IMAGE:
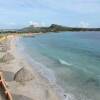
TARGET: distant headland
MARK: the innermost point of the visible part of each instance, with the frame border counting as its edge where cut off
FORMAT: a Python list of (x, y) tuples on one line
[(52, 28)]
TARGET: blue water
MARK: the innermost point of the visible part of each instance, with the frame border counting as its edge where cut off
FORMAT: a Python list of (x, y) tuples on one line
[(75, 59)]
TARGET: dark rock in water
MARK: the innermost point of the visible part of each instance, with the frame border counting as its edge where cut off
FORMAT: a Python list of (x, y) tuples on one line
[(7, 57), (23, 75), (93, 81)]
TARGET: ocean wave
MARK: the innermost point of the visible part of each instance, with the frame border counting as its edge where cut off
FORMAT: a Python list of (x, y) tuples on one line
[(45, 72), (39, 67), (63, 62)]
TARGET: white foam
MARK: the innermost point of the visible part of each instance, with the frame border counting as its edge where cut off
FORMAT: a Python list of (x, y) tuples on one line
[(63, 62), (69, 97), (44, 71)]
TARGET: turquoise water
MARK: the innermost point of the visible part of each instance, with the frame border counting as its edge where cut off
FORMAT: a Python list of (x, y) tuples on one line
[(75, 59)]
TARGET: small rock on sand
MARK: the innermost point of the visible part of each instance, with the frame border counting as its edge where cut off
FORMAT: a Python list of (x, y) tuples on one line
[(20, 97), (23, 75), (7, 57)]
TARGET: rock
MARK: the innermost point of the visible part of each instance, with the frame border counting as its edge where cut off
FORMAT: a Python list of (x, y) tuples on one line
[(3, 49), (93, 81), (20, 97), (23, 75), (9, 76), (7, 57)]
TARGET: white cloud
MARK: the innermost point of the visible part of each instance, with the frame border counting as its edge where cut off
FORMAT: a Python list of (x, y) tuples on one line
[(36, 24), (84, 24)]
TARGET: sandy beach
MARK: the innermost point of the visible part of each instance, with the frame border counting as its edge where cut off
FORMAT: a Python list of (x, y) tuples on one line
[(23, 79)]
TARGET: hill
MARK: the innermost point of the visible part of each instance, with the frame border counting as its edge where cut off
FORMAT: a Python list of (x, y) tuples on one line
[(55, 28), (52, 28)]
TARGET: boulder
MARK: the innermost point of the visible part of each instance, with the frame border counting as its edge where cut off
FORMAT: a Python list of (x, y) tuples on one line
[(7, 57), (23, 75)]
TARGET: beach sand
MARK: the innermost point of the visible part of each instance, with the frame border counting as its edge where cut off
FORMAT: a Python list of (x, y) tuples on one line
[(37, 88)]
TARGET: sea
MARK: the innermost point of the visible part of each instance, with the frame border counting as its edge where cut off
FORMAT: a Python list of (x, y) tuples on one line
[(72, 59)]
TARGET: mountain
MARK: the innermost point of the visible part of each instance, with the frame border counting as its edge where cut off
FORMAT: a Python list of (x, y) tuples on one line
[(33, 29), (55, 28), (52, 28)]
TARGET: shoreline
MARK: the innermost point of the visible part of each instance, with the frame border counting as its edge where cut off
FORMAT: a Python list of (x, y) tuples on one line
[(40, 70), (39, 88)]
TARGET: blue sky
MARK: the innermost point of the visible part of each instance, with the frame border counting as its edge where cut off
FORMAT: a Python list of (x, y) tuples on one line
[(20, 13)]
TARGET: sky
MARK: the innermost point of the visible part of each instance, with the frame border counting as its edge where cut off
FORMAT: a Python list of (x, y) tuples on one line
[(76, 13)]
